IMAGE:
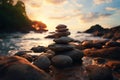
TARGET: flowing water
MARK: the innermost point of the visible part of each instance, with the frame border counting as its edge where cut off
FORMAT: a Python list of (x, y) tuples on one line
[(20, 41)]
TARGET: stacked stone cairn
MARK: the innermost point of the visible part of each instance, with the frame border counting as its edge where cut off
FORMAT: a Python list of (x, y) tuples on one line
[(65, 54)]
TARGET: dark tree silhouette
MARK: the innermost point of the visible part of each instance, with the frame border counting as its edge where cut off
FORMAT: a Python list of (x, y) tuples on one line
[(13, 17)]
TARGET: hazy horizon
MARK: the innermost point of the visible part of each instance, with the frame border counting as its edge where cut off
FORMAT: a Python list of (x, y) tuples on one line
[(76, 14)]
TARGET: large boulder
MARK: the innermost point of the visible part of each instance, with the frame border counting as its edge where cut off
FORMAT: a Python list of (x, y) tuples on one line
[(18, 68), (111, 53)]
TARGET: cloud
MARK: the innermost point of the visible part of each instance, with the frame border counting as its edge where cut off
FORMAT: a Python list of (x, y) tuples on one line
[(97, 2), (56, 1), (90, 17), (110, 9)]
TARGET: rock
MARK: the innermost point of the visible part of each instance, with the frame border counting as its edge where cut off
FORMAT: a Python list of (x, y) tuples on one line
[(98, 61), (20, 53), (50, 36), (61, 26), (38, 49), (62, 30), (18, 68), (63, 40), (60, 34), (75, 54), (87, 44), (28, 57), (77, 45), (49, 54), (95, 28), (60, 47), (42, 62), (93, 44), (61, 61), (113, 33), (99, 73), (114, 65), (112, 44), (111, 53)]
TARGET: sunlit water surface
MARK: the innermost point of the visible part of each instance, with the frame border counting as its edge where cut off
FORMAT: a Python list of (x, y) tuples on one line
[(20, 41)]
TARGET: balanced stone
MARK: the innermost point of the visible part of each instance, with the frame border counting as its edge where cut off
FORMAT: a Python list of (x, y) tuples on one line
[(61, 26), (62, 30), (60, 47), (61, 61), (42, 62), (75, 54), (60, 34), (63, 40)]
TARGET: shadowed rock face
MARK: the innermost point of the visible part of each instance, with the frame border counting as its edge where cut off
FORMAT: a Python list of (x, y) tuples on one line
[(17, 68)]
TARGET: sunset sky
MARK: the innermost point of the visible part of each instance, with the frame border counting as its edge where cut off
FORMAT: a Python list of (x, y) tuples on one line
[(76, 14)]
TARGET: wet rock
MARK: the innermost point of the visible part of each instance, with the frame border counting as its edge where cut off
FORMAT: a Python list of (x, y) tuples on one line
[(112, 44), (111, 53), (38, 49), (77, 45), (18, 68), (63, 40), (60, 47), (61, 61), (114, 65), (98, 61), (42, 62), (99, 73), (87, 44)]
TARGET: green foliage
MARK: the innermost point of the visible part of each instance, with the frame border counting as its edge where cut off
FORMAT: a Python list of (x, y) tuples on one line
[(13, 18)]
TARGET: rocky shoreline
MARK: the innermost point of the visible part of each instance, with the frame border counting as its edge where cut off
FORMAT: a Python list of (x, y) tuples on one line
[(65, 59)]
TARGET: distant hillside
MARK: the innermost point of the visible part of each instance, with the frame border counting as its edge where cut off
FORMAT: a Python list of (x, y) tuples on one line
[(13, 17)]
